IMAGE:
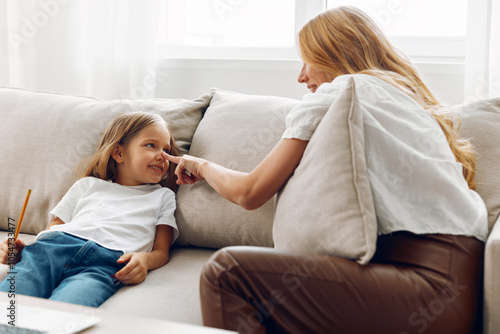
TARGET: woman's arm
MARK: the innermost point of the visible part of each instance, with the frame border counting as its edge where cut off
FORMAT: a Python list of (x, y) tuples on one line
[(249, 190), (138, 264)]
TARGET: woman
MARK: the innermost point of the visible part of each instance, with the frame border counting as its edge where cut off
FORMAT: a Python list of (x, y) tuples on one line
[(423, 277)]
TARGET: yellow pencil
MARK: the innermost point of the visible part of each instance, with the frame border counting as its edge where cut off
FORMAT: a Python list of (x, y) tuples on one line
[(18, 227)]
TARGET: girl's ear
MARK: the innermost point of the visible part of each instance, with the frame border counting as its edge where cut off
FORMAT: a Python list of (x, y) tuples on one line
[(117, 154)]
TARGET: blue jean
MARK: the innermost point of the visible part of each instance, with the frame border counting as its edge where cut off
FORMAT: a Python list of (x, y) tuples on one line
[(65, 268)]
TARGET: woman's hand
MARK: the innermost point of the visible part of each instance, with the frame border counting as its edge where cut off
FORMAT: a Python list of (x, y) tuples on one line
[(136, 269), (10, 252), (188, 168)]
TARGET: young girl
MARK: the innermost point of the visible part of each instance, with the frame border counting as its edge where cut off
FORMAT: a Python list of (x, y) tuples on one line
[(112, 226)]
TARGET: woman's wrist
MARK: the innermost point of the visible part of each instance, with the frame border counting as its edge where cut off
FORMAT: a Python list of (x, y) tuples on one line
[(203, 168)]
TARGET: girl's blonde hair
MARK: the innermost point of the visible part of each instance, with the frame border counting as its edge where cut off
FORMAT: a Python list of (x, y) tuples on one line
[(345, 40), (119, 132)]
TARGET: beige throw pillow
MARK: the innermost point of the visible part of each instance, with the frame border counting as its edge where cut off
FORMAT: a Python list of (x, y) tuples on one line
[(237, 131), (326, 206), (481, 124), (45, 136)]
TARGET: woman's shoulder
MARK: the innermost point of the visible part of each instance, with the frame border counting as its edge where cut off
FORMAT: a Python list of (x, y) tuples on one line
[(345, 81), (360, 79)]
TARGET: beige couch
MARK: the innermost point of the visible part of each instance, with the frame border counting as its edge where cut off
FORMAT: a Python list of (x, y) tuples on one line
[(44, 137)]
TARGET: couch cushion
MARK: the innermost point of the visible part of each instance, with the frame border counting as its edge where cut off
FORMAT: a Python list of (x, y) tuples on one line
[(45, 136), (237, 131), (481, 124), (327, 206), (168, 293)]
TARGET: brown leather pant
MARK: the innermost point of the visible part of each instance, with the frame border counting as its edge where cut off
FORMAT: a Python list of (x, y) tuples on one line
[(414, 284)]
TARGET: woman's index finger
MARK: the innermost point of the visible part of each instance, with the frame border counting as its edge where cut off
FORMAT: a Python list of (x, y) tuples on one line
[(171, 158)]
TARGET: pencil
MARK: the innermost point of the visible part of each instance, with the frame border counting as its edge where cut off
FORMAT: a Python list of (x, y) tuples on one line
[(18, 227)]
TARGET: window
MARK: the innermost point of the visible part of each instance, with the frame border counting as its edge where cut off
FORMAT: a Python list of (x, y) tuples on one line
[(412, 18), (233, 28), (230, 23), (426, 30)]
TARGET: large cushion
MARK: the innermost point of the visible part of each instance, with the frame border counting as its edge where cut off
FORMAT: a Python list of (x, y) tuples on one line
[(169, 293), (481, 124), (327, 206), (45, 136), (237, 131)]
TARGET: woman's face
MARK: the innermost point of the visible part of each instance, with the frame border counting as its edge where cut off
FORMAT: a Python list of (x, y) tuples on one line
[(313, 77)]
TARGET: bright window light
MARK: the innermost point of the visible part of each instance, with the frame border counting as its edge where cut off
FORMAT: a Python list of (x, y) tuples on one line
[(414, 18), (426, 30), (229, 23)]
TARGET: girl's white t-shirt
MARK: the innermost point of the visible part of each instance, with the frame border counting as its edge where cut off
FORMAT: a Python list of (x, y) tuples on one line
[(115, 216), (416, 182)]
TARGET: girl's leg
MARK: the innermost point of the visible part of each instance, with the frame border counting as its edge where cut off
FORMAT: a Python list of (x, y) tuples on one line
[(39, 269), (87, 278), (414, 284), (91, 288)]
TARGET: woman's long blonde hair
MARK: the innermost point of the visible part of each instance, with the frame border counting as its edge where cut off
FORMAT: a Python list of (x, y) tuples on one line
[(345, 40), (119, 132)]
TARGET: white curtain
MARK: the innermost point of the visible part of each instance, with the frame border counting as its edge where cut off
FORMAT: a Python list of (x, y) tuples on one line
[(102, 48), (482, 68)]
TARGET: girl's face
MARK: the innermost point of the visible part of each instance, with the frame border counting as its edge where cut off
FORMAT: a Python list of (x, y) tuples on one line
[(313, 77), (140, 160)]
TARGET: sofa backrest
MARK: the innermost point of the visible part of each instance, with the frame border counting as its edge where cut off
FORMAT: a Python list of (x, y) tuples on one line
[(45, 136), (480, 122), (237, 131)]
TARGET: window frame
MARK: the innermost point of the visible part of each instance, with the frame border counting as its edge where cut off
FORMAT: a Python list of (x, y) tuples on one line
[(419, 49), (304, 10), (432, 49)]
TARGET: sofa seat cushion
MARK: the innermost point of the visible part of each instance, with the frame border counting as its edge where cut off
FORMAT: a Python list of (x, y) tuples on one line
[(168, 293), (46, 136)]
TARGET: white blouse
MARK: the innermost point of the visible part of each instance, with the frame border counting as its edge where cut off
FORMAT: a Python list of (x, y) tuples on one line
[(417, 184)]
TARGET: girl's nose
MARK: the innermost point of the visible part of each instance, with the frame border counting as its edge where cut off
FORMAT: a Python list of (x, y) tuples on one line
[(302, 75)]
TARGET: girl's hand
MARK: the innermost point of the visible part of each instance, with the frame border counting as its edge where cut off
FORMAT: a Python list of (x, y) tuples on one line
[(188, 169), (136, 269), (10, 252)]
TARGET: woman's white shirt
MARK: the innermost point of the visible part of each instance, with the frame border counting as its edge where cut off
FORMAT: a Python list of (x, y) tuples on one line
[(416, 182)]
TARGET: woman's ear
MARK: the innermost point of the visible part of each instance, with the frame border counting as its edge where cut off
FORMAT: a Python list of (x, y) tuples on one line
[(117, 154)]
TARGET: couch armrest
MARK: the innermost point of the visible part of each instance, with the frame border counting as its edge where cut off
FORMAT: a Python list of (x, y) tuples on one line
[(492, 281)]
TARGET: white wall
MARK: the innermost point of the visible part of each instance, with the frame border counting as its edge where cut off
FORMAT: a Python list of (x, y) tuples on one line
[(190, 78)]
